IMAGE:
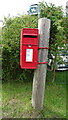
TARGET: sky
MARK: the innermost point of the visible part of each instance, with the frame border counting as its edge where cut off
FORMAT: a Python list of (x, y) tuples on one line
[(16, 7)]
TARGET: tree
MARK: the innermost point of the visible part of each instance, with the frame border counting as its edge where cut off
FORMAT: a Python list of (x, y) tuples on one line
[(59, 42), (57, 32)]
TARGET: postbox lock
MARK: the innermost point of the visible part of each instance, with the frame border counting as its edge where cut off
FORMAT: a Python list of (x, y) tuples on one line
[(29, 45)]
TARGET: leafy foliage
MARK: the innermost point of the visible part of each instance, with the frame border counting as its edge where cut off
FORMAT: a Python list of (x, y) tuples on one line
[(55, 14), (11, 46)]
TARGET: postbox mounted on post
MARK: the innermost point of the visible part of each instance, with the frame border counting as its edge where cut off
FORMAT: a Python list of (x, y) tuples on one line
[(29, 48)]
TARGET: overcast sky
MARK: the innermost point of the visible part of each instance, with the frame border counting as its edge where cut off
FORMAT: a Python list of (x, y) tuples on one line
[(15, 7)]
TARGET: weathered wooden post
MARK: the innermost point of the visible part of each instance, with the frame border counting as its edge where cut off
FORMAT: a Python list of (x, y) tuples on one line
[(40, 72)]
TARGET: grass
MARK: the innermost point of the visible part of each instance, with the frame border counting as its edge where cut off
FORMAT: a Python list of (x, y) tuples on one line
[(16, 99), (55, 101)]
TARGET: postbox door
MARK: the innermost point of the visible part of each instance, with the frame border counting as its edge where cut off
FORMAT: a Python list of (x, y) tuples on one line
[(29, 57)]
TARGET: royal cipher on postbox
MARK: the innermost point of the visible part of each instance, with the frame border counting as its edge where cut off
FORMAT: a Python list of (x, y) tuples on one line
[(29, 48)]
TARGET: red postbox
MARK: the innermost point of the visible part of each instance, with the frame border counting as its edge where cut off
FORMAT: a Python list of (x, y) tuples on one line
[(29, 48)]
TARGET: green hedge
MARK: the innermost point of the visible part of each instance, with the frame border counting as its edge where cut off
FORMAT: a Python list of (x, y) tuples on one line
[(11, 32)]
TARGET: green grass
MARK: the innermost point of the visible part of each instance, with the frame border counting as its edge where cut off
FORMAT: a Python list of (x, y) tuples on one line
[(55, 101), (60, 77), (16, 99)]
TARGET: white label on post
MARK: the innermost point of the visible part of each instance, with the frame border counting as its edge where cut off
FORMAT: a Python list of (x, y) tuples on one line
[(29, 55)]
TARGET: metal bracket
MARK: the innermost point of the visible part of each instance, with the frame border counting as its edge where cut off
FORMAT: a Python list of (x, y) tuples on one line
[(43, 47), (42, 62)]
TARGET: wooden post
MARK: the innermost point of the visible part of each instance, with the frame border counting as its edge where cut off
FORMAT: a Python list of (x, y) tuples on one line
[(40, 72)]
